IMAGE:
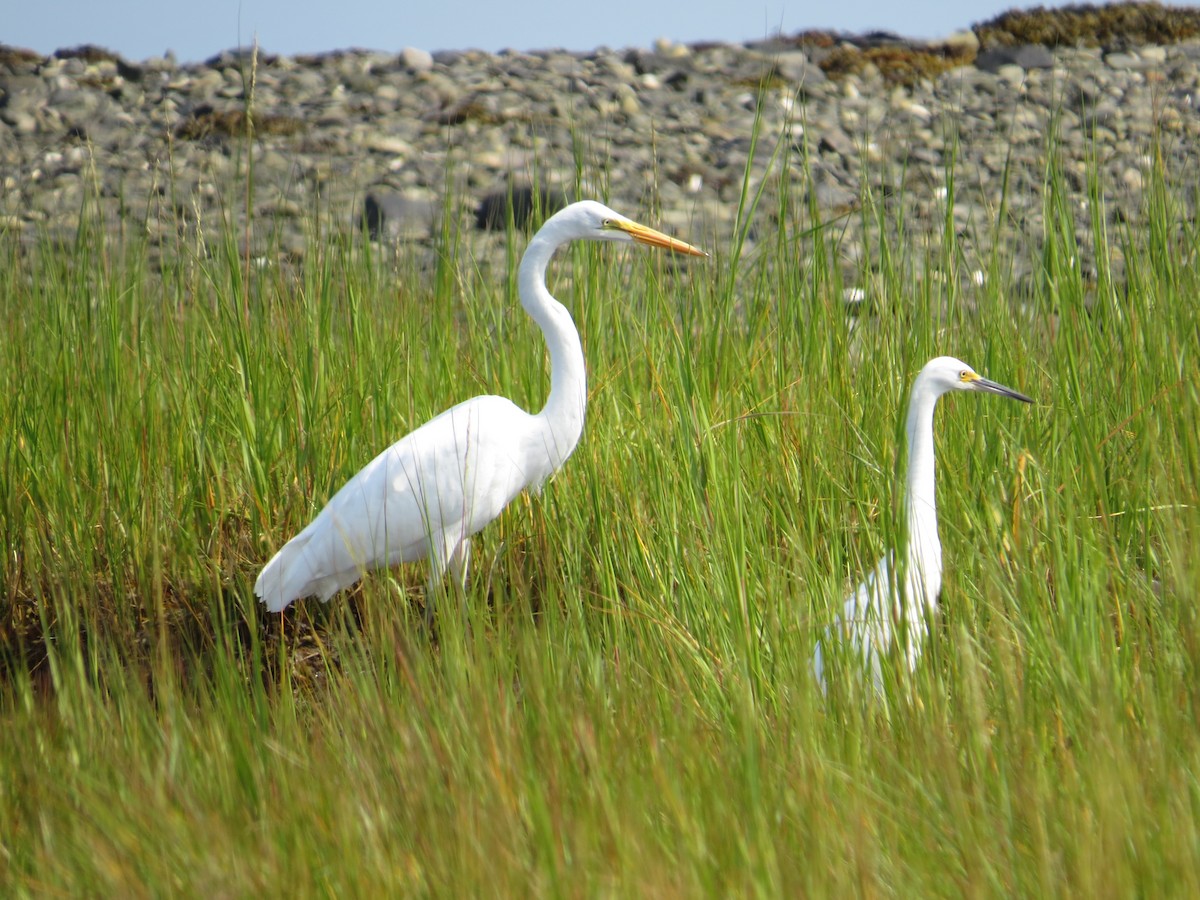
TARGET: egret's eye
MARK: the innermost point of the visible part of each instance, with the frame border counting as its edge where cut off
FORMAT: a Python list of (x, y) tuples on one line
[(606, 223), (964, 375)]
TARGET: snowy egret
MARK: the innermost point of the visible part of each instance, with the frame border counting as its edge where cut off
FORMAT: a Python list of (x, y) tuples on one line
[(879, 607), (429, 492)]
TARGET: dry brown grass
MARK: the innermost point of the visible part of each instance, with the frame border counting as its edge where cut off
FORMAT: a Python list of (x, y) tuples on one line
[(897, 63), (208, 122), (1089, 25)]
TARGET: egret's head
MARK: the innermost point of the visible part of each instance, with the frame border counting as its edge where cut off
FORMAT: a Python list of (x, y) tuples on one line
[(946, 374), (589, 220)]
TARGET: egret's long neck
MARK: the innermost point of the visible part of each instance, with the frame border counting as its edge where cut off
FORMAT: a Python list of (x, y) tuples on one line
[(924, 551), (564, 410)]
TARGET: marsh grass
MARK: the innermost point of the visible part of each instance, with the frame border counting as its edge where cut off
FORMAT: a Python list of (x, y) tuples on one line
[(628, 708)]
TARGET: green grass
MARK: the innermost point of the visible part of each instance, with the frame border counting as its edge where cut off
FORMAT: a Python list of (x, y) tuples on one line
[(629, 708)]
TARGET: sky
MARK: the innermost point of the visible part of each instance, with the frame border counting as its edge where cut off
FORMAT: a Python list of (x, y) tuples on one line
[(198, 29)]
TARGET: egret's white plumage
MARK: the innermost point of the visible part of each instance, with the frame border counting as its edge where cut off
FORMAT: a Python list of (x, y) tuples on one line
[(882, 610), (430, 491)]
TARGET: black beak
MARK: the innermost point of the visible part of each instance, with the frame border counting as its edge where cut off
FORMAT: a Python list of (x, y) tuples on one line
[(985, 384)]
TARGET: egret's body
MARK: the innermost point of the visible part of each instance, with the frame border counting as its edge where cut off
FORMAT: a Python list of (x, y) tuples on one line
[(886, 609), (430, 491)]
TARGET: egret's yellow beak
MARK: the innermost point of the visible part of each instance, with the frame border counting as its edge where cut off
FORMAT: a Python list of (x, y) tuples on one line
[(652, 238)]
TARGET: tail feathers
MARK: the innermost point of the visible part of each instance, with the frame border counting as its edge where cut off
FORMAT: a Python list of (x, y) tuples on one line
[(291, 575)]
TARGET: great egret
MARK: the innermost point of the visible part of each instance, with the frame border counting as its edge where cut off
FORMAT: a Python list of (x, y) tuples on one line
[(429, 492), (880, 607)]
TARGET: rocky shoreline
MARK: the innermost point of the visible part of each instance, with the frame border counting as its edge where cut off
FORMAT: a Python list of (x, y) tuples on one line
[(664, 133)]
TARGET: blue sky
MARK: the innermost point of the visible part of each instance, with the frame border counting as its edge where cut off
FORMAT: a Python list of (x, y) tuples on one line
[(194, 30)]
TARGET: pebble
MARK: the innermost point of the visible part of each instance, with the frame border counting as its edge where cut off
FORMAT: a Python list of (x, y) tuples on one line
[(1011, 72), (1123, 61), (416, 60), (1153, 55)]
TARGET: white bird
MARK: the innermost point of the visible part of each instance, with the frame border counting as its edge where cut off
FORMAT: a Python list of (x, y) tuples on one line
[(880, 607), (429, 492)]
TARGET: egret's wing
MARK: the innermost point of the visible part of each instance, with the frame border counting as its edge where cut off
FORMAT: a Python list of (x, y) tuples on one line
[(433, 488), (863, 632), (374, 516)]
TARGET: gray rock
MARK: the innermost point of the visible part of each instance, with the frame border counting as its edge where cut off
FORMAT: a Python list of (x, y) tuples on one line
[(1123, 61), (396, 139), (416, 60), (833, 138), (21, 121), (832, 197), (1027, 56), (1011, 73), (521, 204), (1153, 55), (795, 67), (393, 216), (1105, 115), (963, 40)]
